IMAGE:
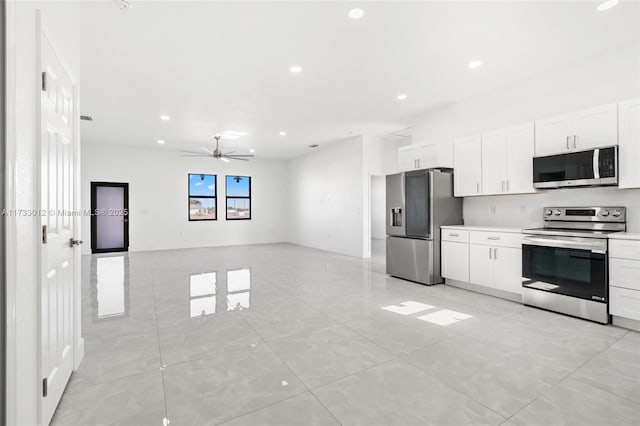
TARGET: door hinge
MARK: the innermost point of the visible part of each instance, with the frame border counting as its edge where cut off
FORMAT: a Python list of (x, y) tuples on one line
[(45, 387), (44, 81), (44, 234)]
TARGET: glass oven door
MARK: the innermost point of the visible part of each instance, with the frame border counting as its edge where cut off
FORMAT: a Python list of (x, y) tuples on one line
[(565, 269)]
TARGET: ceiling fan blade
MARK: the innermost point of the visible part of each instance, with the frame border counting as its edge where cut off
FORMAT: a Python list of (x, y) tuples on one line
[(208, 151), (195, 155), (192, 152), (240, 155), (224, 159), (228, 153), (233, 157)]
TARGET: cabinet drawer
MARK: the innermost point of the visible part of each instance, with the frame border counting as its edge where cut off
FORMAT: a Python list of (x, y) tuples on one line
[(624, 273), (624, 249), (498, 239), (624, 303), (455, 235)]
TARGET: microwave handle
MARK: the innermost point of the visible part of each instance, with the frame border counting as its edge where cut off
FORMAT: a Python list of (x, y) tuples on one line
[(596, 163)]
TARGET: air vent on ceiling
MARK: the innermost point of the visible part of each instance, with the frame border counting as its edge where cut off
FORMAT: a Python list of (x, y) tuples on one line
[(86, 118), (315, 145), (403, 133)]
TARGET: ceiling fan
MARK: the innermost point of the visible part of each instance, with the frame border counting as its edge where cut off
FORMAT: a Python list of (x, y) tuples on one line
[(216, 153)]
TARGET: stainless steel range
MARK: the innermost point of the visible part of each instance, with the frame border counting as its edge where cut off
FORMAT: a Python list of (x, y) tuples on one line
[(565, 264)]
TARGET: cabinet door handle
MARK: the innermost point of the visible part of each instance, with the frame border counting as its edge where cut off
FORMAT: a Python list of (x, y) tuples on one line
[(477, 188), (454, 235), (575, 138), (507, 185), (495, 253), (568, 147), (493, 238), (502, 184), (489, 252)]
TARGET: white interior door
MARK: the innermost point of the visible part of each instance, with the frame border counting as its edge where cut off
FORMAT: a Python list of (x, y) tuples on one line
[(57, 147)]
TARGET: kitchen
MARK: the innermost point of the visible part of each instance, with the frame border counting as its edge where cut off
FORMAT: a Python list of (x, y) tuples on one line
[(581, 263)]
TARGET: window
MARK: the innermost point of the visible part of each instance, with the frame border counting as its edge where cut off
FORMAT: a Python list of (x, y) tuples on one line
[(238, 197), (202, 197)]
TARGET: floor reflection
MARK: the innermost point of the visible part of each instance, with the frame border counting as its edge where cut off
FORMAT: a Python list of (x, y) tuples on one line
[(206, 292), (238, 289), (202, 294), (110, 298)]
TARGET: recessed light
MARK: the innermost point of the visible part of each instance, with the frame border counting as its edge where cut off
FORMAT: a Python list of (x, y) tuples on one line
[(607, 5), (475, 64), (283, 133), (252, 150), (356, 13), (161, 142), (295, 69), (402, 96), (165, 118)]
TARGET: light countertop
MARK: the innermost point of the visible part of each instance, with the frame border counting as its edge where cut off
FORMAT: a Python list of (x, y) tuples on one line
[(483, 228), (624, 236)]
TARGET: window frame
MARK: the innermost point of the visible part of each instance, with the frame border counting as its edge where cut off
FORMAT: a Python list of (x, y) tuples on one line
[(227, 197), (214, 196)]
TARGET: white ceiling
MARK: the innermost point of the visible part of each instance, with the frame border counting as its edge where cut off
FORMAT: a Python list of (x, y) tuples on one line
[(215, 66)]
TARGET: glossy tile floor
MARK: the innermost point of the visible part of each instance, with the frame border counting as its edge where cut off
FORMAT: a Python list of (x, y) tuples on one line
[(285, 335)]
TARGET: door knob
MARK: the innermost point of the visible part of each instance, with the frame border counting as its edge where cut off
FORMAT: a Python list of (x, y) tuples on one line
[(73, 242)]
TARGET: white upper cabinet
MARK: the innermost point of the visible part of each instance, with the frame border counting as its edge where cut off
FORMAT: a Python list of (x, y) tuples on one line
[(467, 164), (552, 135), (589, 128), (507, 160), (436, 155), (596, 127), (520, 141), (424, 156), (494, 162), (629, 141), (408, 158)]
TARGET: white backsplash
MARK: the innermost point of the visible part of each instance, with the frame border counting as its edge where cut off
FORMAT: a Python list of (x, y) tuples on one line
[(525, 211)]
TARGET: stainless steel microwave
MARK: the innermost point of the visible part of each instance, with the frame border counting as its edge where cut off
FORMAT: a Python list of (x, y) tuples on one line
[(592, 167)]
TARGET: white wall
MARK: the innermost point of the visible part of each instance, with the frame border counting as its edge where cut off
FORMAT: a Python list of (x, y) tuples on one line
[(158, 194), (325, 198), (62, 20), (378, 207), (609, 77)]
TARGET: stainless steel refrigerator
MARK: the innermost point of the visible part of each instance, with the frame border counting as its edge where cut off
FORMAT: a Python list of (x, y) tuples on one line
[(418, 203)]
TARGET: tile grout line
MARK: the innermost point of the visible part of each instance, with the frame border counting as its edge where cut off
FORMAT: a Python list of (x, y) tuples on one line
[(292, 372), (568, 375), (155, 315), (455, 389)]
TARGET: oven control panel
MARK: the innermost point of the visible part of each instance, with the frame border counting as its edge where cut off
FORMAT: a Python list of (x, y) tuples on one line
[(585, 214)]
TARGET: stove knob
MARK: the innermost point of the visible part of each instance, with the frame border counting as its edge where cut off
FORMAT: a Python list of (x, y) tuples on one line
[(616, 213), (548, 212), (604, 213), (557, 212)]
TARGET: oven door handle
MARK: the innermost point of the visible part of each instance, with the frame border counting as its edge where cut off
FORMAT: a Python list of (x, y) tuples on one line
[(596, 246)]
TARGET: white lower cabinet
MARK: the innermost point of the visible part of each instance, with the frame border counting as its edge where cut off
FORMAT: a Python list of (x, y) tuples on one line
[(508, 269), (497, 267), (480, 265), (485, 258), (624, 278), (455, 260)]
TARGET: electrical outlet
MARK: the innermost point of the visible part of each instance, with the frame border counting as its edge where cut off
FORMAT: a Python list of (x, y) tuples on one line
[(494, 210), (523, 209)]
